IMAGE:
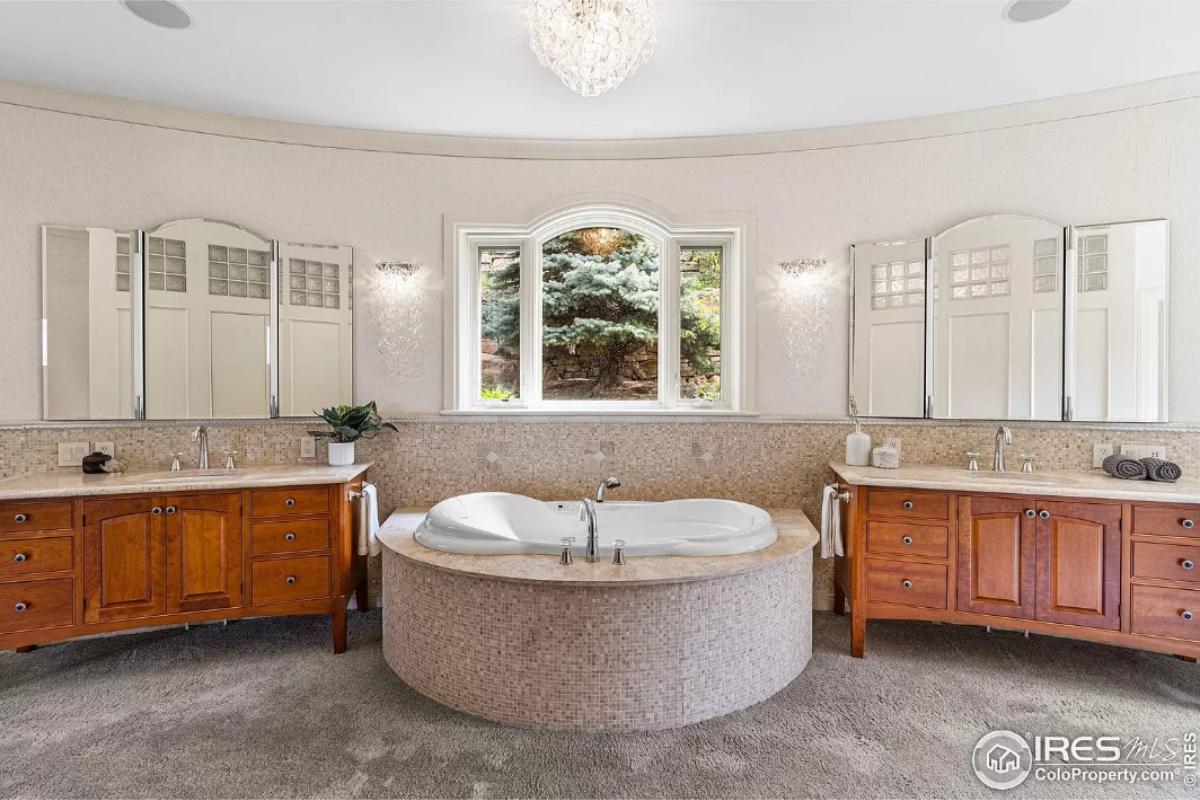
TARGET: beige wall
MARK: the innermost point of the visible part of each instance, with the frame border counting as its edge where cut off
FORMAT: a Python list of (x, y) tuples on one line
[(1136, 162)]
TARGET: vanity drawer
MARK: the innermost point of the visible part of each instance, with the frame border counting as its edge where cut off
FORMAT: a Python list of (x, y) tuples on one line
[(284, 502), (283, 579), (43, 554), (33, 605), (906, 503), (19, 517), (1166, 520), (906, 583), (907, 539), (292, 536), (1166, 612), (1173, 562)]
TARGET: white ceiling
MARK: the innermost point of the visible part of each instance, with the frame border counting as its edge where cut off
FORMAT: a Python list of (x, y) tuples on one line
[(720, 67)]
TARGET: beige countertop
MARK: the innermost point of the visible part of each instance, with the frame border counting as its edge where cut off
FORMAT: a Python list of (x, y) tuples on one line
[(1093, 484), (75, 484), (796, 538)]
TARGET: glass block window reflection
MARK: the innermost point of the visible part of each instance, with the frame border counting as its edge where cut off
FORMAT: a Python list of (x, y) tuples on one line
[(1093, 263), (980, 272), (313, 283), (1045, 266), (239, 272), (896, 284), (166, 264), (123, 263)]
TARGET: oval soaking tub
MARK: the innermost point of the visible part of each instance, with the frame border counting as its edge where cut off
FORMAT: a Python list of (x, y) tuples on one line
[(498, 523)]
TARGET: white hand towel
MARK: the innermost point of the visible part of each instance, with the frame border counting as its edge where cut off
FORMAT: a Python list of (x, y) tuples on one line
[(368, 532), (831, 523)]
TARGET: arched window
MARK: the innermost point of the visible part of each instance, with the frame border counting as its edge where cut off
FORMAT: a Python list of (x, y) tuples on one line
[(596, 309)]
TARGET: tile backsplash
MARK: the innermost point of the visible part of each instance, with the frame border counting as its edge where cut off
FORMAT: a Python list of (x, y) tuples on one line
[(768, 463)]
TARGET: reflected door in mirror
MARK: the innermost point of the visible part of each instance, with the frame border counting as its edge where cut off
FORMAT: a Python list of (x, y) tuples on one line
[(316, 334)]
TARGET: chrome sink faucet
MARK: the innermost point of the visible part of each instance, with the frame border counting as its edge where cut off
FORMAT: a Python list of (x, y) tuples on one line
[(1003, 437), (201, 435)]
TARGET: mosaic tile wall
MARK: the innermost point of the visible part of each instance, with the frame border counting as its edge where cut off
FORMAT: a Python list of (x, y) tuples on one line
[(627, 657), (762, 462)]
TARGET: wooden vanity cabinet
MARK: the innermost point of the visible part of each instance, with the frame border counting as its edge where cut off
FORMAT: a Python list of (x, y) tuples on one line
[(133, 561), (1122, 573)]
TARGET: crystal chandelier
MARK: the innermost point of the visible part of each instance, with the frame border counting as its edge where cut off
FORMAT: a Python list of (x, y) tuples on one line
[(592, 45)]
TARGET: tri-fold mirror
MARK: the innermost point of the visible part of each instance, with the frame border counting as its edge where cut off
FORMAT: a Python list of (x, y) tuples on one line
[(1011, 317), (194, 319)]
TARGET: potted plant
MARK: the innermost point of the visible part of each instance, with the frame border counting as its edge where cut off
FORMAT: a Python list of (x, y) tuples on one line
[(349, 424)]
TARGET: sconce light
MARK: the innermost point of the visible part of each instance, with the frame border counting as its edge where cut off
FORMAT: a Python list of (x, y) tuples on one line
[(804, 306), (802, 266), (397, 303)]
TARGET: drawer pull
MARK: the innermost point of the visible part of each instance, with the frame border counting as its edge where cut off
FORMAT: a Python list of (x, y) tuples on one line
[(1188, 523), (1044, 514), (291, 579), (908, 505), (289, 537), (1029, 512), (907, 540), (21, 558), (290, 502), (170, 509), (156, 510), (21, 518), (1187, 615), (907, 584), (1187, 563), (19, 607)]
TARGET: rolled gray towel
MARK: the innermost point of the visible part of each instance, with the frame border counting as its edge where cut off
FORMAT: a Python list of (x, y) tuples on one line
[(1129, 469), (1161, 470)]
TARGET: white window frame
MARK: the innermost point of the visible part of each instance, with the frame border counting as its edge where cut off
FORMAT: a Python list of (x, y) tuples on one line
[(463, 357)]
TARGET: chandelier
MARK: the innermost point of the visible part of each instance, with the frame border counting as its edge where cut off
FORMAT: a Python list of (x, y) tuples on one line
[(592, 45)]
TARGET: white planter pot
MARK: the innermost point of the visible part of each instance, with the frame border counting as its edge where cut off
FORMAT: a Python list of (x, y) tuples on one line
[(341, 454)]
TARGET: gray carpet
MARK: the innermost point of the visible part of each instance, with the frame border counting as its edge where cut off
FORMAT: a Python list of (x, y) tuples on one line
[(264, 709)]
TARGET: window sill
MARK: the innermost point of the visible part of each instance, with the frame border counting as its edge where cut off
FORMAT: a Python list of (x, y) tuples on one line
[(597, 412)]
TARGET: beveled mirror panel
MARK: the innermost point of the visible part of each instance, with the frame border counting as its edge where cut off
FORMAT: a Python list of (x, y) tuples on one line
[(1117, 318), (996, 335), (316, 333), (887, 358), (88, 319)]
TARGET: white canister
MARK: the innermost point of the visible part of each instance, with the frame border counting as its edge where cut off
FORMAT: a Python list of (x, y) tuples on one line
[(886, 456), (858, 448), (341, 454)]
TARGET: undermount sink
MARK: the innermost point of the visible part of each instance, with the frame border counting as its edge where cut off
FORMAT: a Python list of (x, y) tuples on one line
[(1023, 477), (189, 476)]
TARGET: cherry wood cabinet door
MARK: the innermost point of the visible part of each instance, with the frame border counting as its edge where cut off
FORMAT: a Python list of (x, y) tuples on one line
[(996, 556), (1079, 564), (124, 559), (204, 551)]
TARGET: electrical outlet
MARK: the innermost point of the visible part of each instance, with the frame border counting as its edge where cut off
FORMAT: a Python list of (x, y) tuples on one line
[(1100, 452), (70, 454), (308, 447), (108, 448)]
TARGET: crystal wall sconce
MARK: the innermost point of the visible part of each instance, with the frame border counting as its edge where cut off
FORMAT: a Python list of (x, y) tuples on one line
[(397, 302), (804, 308)]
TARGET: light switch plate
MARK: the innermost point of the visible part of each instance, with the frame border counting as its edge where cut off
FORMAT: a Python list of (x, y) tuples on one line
[(308, 447), (1100, 452), (70, 454), (1144, 450), (108, 448)]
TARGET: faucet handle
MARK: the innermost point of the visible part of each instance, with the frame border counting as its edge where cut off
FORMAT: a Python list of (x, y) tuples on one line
[(230, 463), (1026, 463), (973, 462), (619, 552), (175, 465), (566, 558)]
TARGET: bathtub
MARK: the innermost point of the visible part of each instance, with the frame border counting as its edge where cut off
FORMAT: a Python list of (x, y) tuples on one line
[(498, 523)]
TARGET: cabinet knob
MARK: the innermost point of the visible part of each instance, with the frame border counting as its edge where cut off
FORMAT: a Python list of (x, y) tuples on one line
[(21, 558), (907, 540), (1188, 523), (156, 510), (291, 579), (1029, 512), (289, 537), (907, 584), (1044, 514), (1187, 563), (19, 607), (908, 505), (289, 502), (171, 509), (21, 518), (1187, 615)]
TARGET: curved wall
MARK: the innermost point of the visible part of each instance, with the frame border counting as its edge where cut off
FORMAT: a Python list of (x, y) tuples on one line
[(82, 160)]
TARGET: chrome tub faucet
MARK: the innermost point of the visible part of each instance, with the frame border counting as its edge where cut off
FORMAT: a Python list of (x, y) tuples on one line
[(587, 513), (607, 483)]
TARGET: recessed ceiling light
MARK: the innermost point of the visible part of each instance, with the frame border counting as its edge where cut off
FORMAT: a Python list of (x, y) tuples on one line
[(1032, 10), (162, 13)]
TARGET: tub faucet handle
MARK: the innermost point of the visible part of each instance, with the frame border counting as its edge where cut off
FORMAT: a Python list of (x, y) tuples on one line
[(619, 552), (566, 559)]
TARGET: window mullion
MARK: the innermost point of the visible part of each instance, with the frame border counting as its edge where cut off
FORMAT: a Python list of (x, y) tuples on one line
[(669, 325), (531, 323)]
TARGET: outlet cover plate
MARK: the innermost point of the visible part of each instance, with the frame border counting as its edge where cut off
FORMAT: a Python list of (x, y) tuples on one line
[(108, 448), (70, 454), (308, 447), (1100, 452)]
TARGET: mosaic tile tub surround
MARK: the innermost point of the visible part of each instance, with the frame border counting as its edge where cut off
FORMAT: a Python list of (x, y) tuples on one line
[(766, 463)]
